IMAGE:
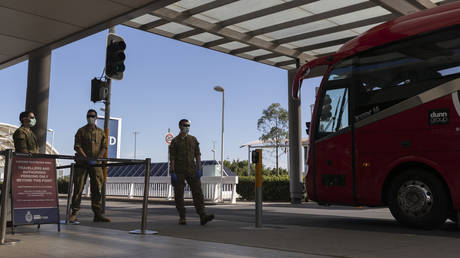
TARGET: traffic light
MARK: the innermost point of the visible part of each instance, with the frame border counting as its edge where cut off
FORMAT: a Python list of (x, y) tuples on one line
[(99, 90), (115, 57), (255, 156)]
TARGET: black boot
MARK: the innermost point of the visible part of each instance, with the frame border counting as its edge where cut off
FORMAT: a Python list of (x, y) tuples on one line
[(205, 218)]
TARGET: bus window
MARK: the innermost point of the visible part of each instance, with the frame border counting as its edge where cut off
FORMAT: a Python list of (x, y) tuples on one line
[(334, 111), (388, 75)]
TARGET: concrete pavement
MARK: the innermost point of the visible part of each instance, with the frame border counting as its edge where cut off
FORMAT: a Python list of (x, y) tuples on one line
[(305, 230)]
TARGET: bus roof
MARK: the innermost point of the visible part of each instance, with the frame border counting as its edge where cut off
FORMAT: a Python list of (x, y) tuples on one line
[(397, 29), (403, 27)]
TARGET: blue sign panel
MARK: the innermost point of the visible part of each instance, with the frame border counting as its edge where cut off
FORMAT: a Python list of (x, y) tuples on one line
[(114, 135)]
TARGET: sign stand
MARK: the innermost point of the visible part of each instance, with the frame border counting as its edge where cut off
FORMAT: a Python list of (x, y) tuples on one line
[(34, 192), (6, 187)]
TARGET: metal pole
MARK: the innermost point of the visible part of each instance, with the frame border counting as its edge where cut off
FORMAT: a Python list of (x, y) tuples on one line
[(146, 195), (5, 194), (249, 160), (135, 143), (259, 190), (169, 130), (222, 152), (52, 139), (295, 137), (106, 129), (145, 204), (69, 193)]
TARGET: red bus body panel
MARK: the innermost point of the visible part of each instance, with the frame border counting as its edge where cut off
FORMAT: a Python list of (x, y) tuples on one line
[(403, 138)]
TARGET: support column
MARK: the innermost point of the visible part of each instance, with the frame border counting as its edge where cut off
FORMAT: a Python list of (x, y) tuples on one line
[(295, 137), (38, 84)]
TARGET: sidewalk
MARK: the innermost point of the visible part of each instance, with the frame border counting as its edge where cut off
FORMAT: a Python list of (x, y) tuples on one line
[(305, 230)]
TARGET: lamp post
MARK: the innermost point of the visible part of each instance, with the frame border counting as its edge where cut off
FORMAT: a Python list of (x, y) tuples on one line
[(52, 140), (221, 89), (135, 142)]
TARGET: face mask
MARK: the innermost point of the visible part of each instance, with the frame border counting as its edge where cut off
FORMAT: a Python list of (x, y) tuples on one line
[(33, 122), (185, 130), (91, 120)]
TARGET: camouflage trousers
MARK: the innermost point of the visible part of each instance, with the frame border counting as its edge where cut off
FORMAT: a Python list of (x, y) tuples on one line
[(197, 194), (96, 179)]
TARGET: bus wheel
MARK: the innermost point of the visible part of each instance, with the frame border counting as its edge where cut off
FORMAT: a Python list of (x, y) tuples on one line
[(417, 198)]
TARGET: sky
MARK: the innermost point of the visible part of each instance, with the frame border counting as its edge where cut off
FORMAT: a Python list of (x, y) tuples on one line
[(165, 80)]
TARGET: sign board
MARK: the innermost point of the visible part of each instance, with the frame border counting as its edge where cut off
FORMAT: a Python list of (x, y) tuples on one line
[(114, 135), (34, 191), (168, 138)]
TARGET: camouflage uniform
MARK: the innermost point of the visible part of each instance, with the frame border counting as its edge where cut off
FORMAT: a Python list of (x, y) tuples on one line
[(183, 151), (25, 141), (92, 141)]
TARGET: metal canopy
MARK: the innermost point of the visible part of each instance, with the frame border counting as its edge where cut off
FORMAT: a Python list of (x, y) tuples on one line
[(26, 26), (273, 32)]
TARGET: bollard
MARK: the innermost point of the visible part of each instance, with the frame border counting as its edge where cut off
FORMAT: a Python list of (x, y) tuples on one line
[(6, 186), (143, 230), (257, 158)]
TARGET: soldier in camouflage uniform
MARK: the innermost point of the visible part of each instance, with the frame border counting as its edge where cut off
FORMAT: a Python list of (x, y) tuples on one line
[(24, 139), (185, 158), (90, 142)]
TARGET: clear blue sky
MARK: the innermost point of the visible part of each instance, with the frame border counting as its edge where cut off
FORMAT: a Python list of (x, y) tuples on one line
[(165, 80)]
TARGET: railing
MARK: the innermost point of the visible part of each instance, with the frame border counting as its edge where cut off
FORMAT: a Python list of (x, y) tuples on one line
[(160, 187)]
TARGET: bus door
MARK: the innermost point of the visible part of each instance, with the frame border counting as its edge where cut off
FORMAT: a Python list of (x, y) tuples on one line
[(333, 155)]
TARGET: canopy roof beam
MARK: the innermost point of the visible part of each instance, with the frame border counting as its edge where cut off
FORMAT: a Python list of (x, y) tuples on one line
[(228, 33)]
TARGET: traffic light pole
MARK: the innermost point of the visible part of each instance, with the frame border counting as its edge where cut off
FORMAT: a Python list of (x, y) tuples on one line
[(106, 128)]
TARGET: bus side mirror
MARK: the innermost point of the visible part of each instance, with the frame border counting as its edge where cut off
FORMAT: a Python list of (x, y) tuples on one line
[(307, 124)]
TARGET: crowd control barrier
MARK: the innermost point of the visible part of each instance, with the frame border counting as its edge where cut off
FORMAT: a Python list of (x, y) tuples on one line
[(38, 172)]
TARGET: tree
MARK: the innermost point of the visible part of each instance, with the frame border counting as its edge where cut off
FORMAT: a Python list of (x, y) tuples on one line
[(274, 127)]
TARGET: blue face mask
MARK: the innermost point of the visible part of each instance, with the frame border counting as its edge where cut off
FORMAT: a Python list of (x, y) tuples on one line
[(185, 130)]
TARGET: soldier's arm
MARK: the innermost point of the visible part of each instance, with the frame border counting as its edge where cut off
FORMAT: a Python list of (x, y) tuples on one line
[(20, 143), (103, 149), (172, 155), (197, 154), (77, 146)]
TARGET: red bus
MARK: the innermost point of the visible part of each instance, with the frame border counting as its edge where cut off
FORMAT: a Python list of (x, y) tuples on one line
[(385, 129)]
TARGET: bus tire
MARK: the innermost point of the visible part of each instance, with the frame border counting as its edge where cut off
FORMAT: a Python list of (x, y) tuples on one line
[(418, 198)]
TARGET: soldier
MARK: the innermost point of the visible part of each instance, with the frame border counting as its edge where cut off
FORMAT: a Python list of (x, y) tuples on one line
[(90, 142), (24, 139), (185, 158)]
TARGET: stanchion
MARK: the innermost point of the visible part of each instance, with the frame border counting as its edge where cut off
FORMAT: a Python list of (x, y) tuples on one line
[(5, 195), (69, 195), (143, 230)]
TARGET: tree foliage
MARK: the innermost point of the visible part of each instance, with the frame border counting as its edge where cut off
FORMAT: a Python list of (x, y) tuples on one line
[(274, 127), (240, 167)]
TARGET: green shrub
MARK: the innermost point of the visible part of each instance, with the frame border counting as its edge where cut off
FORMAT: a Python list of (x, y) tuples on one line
[(274, 188)]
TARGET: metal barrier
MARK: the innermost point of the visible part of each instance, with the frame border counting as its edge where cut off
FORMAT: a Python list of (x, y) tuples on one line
[(6, 186), (160, 187)]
